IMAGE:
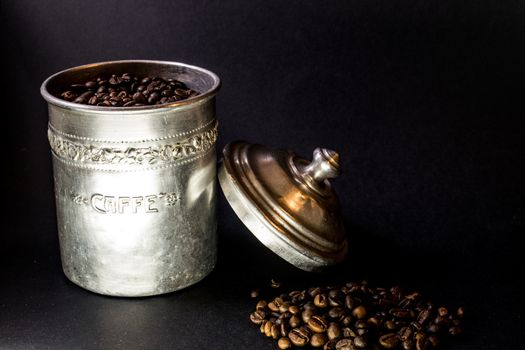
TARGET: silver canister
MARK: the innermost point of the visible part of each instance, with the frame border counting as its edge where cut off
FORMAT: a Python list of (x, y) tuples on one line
[(135, 187)]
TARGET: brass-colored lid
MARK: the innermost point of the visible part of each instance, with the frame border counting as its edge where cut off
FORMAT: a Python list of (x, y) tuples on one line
[(287, 202)]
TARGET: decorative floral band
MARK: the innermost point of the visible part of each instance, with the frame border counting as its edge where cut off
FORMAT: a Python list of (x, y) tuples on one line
[(152, 155)]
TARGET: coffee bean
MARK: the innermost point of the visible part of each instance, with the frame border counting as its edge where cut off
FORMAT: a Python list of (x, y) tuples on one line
[(360, 342), (359, 312), (334, 331), (443, 311), (93, 100), (408, 344), (330, 345), (284, 307), (91, 85), (317, 324), (390, 325), (349, 333), (349, 302), (275, 331), (433, 328), (258, 316), (268, 328), (389, 340), (293, 309), (345, 344), (455, 330), (68, 95), (423, 316), (263, 324), (405, 333), (317, 340), (433, 340), (306, 315), (299, 336), (295, 321), (285, 328), (422, 342), (460, 312), (284, 343)]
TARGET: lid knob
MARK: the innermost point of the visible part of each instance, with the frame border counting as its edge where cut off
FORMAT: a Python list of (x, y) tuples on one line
[(324, 165)]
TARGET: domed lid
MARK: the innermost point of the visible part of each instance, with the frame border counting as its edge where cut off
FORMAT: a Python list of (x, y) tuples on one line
[(287, 202)]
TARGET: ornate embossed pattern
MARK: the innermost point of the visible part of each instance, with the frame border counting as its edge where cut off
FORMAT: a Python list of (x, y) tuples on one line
[(152, 155)]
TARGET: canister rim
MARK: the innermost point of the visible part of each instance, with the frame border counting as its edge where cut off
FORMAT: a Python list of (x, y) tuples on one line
[(52, 99)]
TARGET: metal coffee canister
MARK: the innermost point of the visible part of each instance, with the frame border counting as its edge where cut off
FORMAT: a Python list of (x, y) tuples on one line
[(135, 187)]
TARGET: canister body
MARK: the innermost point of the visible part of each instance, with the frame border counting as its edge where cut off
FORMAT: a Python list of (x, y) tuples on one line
[(135, 187)]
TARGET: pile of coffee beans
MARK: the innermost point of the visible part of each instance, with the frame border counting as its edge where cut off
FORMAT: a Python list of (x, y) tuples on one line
[(127, 90), (355, 316)]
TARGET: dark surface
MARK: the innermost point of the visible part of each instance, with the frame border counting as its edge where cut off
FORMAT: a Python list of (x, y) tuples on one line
[(423, 100)]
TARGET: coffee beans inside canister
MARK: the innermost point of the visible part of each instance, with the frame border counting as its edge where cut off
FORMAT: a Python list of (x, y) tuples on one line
[(127, 90), (355, 316)]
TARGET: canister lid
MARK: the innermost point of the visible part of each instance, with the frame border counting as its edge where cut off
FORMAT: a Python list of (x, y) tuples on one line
[(286, 201)]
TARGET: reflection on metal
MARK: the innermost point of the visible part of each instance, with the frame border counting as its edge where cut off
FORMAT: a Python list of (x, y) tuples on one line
[(135, 187), (287, 202)]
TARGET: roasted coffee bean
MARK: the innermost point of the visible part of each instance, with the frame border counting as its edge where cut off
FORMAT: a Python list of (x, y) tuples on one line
[(423, 316), (422, 342), (273, 306), (284, 343), (360, 324), (153, 97), (295, 321), (317, 324), (274, 283), (93, 100), (321, 300), (334, 331), (405, 333), (349, 333), (389, 340), (374, 321), (336, 313), (307, 314), (460, 312), (347, 320), (433, 340), (330, 345), (275, 331), (294, 309), (84, 98), (299, 336), (309, 306), (433, 328), (268, 328), (258, 316), (408, 344), (263, 324), (360, 342), (91, 85), (68, 95), (317, 340), (443, 311), (285, 328), (345, 344), (349, 302), (455, 330), (284, 307), (390, 325), (401, 313), (359, 312), (261, 305)]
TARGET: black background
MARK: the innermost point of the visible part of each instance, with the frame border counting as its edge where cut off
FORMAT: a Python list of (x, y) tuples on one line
[(423, 100)]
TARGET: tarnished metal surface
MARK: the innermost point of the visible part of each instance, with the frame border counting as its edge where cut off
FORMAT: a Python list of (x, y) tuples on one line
[(287, 202), (135, 187)]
